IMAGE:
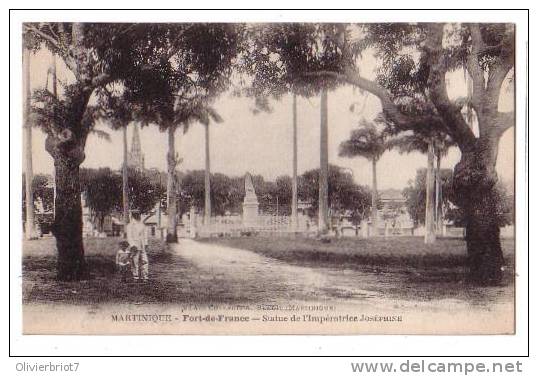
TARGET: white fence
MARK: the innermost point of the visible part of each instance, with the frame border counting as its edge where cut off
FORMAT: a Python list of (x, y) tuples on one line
[(221, 226), (232, 226)]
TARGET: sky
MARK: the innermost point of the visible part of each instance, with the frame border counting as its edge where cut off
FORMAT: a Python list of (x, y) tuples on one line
[(262, 143)]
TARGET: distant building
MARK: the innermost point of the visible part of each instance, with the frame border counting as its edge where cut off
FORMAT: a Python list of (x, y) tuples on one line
[(135, 158), (394, 219), (391, 203), (391, 197), (156, 223)]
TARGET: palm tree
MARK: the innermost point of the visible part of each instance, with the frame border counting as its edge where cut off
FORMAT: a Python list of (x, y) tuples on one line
[(29, 173), (294, 215), (436, 145), (119, 113), (323, 209), (125, 182), (171, 193), (207, 179), (370, 143), (204, 114)]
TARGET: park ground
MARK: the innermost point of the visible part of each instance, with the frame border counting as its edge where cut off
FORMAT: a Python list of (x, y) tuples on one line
[(383, 273)]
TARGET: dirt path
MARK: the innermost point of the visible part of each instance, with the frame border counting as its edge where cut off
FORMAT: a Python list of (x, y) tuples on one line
[(260, 278)]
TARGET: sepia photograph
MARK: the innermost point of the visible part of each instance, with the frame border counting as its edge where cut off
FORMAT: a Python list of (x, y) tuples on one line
[(246, 178)]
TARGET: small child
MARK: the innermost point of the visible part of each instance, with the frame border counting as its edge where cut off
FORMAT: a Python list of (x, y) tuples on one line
[(123, 260)]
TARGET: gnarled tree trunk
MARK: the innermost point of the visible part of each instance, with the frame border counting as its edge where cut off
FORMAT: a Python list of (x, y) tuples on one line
[(65, 143), (68, 152), (475, 181)]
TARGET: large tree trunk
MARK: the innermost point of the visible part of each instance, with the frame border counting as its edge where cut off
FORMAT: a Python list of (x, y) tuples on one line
[(171, 235), (374, 196), (125, 183), (294, 201), (475, 181), (323, 210), (68, 153), (29, 232), (429, 237), (207, 180), (66, 146)]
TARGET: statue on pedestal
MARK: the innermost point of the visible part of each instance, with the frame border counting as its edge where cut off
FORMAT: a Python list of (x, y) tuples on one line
[(250, 203)]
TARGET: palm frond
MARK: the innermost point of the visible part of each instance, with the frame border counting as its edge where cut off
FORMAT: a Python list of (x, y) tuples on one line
[(214, 115), (100, 134)]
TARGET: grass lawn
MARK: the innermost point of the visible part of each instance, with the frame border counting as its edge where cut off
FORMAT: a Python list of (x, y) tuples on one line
[(443, 260), (397, 268), (170, 277)]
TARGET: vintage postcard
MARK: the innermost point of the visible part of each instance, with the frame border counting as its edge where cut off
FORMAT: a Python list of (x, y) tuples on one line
[(268, 178)]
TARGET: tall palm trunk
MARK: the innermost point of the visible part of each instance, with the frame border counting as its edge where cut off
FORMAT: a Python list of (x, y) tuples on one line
[(55, 94), (438, 194), (294, 214), (323, 211), (125, 182), (30, 232), (207, 179), (171, 236), (429, 237), (374, 196)]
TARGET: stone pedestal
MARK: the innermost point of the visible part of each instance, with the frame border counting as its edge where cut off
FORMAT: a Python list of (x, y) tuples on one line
[(250, 214), (192, 228), (365, 229)]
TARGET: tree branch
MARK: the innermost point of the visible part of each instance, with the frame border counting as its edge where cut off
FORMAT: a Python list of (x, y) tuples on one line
[(388, 105), (57, 44), (449, 112), (54, 35), (473, 67), (101, 79), (173, 49), (43, 35)]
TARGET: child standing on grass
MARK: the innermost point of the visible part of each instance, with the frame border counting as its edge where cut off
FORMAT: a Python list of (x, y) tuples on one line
[(123, 260)]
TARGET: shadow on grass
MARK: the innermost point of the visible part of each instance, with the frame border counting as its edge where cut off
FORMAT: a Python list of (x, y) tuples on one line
[(170, 280)]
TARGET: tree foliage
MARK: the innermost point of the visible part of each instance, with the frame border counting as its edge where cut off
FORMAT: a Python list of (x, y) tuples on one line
[(227, 193), (277, 58), (368, 141), (43, 193), (345, 196), (102, 190), (415, 194)]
